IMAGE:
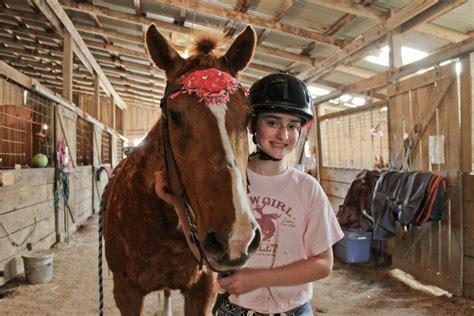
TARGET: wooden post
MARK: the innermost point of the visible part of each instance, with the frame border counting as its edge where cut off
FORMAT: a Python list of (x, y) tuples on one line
[(97, 96), (395, 50), (113, 113), (68, 63)]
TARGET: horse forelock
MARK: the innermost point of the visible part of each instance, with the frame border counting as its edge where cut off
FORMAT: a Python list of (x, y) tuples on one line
[(207, 44)]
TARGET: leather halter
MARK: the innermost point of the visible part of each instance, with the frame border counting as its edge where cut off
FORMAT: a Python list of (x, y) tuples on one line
[(170, 163)]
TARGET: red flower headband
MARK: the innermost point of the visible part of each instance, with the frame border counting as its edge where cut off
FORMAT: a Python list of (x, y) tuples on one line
[(211, 86)]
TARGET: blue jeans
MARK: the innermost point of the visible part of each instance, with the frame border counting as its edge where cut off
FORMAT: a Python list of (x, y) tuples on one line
[(302, 310)]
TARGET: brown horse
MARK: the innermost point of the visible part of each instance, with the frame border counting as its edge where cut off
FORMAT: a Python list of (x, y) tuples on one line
[(203, 147)]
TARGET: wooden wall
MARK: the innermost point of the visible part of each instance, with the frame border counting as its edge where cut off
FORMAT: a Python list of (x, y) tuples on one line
[(336, 183), (28, 201), (468, 235), (30, 198), (139, 120), (438, 103), (431, 102)]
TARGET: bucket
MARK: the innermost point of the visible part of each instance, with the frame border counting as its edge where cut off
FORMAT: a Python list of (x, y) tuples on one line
[(38, 266)]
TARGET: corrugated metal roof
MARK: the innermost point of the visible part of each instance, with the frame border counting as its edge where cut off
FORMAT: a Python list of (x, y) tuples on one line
[(341, 78), (284, 41), (312, 16), (323, 51), (370, 66), (271, 61), (119, 26), (391, 4), (460, 19), (355, 28), (118, 5), (424, 42)]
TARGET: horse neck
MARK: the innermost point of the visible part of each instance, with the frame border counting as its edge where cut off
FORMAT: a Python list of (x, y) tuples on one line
[(149, 157)]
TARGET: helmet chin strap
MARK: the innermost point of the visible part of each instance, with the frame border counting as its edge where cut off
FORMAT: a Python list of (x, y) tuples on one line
[(261, 154), (264, 156)]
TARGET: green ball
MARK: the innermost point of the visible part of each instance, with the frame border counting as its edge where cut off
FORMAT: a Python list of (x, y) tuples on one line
[(39, 161)]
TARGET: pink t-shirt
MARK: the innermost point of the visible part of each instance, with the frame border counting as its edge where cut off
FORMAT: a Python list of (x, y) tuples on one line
[(297, 222)]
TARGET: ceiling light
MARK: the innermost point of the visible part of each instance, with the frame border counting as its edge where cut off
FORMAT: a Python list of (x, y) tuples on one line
[(316, 91), (345, 97), (358, 101)]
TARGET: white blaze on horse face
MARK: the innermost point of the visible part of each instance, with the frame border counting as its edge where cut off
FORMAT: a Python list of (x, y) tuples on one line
[(242, 232)]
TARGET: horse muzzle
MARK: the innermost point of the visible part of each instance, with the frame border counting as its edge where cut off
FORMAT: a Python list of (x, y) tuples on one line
[(225, 255)]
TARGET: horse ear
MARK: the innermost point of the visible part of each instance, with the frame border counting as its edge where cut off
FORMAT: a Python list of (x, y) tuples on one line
[(241, 51), (160, 50)]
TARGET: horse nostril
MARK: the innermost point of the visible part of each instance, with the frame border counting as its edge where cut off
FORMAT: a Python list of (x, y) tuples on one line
[(212, 244), (255, 242)]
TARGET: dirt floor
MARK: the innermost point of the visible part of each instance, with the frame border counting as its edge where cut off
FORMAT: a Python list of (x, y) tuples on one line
[(350, 290)]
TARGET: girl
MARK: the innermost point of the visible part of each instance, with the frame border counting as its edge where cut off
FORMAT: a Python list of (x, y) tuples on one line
[(297, 222)]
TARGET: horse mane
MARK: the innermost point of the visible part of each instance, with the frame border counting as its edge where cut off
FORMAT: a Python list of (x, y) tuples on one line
[(207, 44)]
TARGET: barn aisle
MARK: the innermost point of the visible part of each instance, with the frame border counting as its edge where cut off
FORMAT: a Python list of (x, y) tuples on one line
[(350, 290)]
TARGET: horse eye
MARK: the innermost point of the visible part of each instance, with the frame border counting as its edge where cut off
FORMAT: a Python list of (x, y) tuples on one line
[(175, 117)]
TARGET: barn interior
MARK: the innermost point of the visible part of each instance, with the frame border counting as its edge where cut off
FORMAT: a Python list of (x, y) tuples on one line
[(391, 82)]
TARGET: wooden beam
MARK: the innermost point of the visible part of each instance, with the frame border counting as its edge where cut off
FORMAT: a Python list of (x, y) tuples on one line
[(361, 43), (211, 10), (81, 7), (394, 50), (286, 5), (380, 16), (352, 8), (363, 108), (97, 97), (137, 6), (113, 113), (242, 5), (452, 51), (15, 75), (431, 13), (80, 48), (339, 24), (441, 32), (67, 66)]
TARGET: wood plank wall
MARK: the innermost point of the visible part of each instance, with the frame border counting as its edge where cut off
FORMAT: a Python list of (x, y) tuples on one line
[(468, 235), (444, 255), (336, 183), (30, 199), (437, 257), (139, 120)]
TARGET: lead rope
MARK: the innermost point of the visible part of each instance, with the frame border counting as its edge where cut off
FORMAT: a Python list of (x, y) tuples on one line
[(100, 251)]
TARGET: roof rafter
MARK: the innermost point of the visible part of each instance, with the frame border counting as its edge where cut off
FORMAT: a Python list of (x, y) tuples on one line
[(56, 14), (81, 7), (254, 20), (367, 40)]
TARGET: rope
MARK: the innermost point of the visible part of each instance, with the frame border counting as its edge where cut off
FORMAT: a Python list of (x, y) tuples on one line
[(100, 252), (13, 242), (407, 145), (64, 193), (101, 279)]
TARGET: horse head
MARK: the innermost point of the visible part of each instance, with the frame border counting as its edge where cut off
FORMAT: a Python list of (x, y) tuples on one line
[(204, 121)]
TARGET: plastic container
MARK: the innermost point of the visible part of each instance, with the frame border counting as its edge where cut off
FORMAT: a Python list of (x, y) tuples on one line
[(354, 247), (38, 266)]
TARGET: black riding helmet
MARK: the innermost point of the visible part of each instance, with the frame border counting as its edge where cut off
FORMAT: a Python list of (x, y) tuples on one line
[(283, 93)]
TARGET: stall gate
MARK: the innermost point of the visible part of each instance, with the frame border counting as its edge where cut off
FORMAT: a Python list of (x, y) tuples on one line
[(427, 108)]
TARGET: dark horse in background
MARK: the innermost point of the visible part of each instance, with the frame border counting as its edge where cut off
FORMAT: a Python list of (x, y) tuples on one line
[(144, 247)]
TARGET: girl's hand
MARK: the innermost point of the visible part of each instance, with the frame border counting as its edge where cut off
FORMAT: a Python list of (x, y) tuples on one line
[(241, 282), (163, 191)]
